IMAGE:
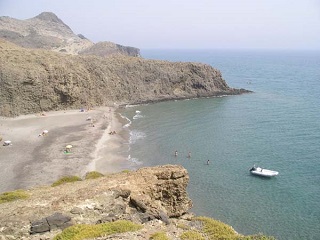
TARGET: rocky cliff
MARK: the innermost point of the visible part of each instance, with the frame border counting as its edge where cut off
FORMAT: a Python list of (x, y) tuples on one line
[(145, 204), (38, 80), (140, 196), (47, 31)]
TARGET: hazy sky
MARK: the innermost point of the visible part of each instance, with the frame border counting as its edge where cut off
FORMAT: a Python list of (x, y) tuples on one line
[(191, 24)]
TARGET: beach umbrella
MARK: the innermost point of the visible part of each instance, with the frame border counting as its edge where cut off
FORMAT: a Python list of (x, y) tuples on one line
[(69, 146)]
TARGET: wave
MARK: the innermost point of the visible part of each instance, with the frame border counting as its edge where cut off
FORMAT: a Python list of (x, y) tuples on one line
[(130, 106), (136, 135), (134, 160), (136, 105), (129, 121), (138, 115)]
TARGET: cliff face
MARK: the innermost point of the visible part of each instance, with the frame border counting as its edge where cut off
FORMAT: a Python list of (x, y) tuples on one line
[(47, 31), (141, 196), (38, 80)]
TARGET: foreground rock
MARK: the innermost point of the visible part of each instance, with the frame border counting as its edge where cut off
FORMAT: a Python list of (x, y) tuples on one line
[(150, 194)]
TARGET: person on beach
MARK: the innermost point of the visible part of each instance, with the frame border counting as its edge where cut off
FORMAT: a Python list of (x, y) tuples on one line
[(176, 153), (208, 162)]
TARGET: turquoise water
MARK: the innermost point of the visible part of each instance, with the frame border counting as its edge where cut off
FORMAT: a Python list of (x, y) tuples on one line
[(276, 127)]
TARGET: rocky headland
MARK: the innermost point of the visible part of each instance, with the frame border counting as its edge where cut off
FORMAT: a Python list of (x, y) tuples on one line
[(40, 80)]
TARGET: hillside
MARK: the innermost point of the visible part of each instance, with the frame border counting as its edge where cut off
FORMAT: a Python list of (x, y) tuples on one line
[(39, 80), (47, 31)]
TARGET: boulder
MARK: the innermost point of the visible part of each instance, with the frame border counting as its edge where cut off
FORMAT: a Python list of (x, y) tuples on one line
[(57, 220)]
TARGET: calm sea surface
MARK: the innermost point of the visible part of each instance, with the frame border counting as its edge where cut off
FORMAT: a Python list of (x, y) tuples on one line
[(276, 127)]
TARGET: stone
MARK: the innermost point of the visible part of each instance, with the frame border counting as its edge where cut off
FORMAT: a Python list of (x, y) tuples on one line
[(76, 210), (137, 203), (58, 220), (124, 193), (39, 226), (164, 217)]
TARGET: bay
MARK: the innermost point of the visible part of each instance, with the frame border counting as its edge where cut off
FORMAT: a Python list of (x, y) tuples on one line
[(276, 127)]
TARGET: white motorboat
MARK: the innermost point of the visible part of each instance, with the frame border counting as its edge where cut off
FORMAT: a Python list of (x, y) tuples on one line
[(263, 172)]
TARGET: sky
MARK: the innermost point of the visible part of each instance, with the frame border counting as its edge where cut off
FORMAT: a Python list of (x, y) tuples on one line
[(187, 24)]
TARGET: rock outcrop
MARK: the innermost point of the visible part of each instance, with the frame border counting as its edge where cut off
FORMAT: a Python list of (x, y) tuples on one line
[(47, 31), (38, 80), (157, 193), (103, 49)]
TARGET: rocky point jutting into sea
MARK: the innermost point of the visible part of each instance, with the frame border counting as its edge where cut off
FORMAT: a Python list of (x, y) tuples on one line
[(54, 69)]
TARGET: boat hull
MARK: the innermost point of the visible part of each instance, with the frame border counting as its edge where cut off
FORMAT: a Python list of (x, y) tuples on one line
[(263, 172)]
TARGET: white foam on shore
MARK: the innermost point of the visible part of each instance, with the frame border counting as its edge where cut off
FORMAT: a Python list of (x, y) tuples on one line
[(138, 115), (135, 105), (134, 160), (128, 120), (136, 135)]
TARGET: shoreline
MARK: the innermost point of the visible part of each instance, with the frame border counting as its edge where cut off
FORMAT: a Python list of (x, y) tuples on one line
[(34, 160)]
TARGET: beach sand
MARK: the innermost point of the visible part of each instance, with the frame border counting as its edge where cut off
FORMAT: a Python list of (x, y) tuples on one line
[(34, 160)]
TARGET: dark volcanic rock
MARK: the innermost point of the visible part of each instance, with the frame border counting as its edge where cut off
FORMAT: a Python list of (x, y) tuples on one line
[(57, 220)]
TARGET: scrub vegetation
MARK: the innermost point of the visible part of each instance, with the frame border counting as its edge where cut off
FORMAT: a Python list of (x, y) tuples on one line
[(12, 196), (93, 175), (83, 231), (66, 179)]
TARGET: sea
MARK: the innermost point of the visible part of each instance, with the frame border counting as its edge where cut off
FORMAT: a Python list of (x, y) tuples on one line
[(276, 127)]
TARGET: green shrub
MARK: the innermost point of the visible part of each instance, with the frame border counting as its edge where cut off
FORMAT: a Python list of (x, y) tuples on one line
[(82, 231), (257, 237), (65, 179), (12, 196), (159, 236), (93, 175), (215, 229), (191, 235), (126, 171)]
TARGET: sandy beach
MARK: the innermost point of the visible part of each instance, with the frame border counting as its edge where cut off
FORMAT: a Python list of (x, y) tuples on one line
[(34, 159)]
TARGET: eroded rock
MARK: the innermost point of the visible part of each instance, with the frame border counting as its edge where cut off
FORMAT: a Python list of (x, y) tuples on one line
[(139, 196)]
